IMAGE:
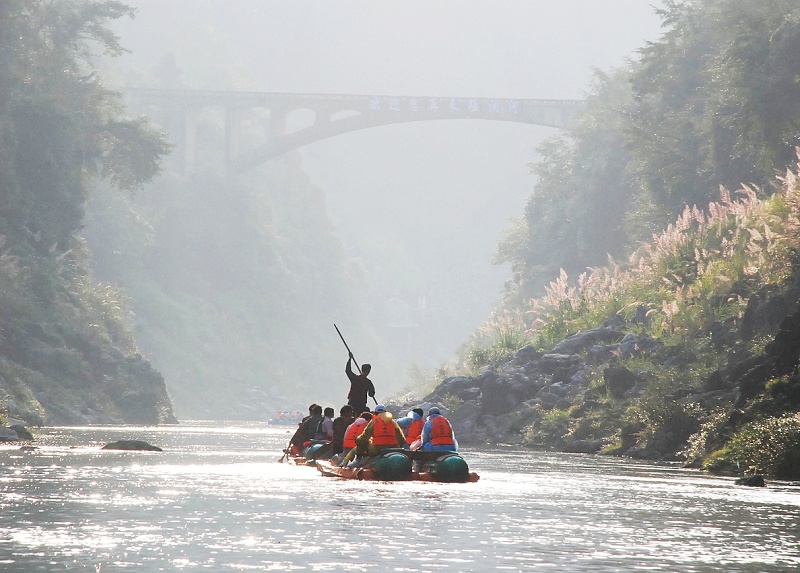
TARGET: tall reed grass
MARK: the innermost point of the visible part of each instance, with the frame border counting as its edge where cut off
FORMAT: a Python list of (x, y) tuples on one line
[(699, 270)]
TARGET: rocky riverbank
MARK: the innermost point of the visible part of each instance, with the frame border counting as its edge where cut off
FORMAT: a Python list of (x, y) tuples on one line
[(586, 393)]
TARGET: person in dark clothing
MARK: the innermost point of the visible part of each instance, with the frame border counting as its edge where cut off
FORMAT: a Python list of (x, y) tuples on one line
[(339, 426), (310, 413), (308, 428), (360, 387)]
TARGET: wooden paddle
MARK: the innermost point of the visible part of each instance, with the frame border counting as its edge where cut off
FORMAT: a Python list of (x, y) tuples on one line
[(285, 453), (289, 447)]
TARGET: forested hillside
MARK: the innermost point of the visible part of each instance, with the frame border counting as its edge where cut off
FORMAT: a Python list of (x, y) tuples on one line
[(687, 349), (713, 102), (229, 284), (67, 350), (236, 283), (236, 279)]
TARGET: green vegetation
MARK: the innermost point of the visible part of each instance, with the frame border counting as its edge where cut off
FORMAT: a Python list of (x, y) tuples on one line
[(713, 102), (230, 285), (67, 350), (688, 292), (770, 446), (496, 341), (696, 273), (553, 426), (236, 283)]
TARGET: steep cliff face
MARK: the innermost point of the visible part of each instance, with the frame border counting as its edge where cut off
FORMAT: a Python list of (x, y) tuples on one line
[(66, 353)]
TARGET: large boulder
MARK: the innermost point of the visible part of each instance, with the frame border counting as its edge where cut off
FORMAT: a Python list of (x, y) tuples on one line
[(619, 380), (526, 354), (583, 340), (555, 363), (786, 346), (455, 386), (756, 480), (8, 435), (497, 396), (464, 421), (22, 432), (132, 445)]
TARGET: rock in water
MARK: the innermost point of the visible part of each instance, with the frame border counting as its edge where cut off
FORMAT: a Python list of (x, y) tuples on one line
[(22, 432), (8, 435), (751, 481), (136, 445)]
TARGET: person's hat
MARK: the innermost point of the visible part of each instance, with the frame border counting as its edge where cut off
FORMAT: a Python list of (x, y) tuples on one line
[(433, 410), (380, 408)]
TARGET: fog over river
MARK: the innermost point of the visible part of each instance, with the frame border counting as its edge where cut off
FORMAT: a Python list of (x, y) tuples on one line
[(218, 500), (420, 207)]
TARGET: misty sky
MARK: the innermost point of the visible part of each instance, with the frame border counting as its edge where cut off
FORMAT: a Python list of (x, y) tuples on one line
[(432, 197), (519, 48)]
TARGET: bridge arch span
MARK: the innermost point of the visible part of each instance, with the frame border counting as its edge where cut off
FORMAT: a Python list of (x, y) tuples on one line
[(338, 114)]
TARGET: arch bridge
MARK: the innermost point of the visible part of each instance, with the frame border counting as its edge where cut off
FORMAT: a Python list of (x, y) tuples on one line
[(332, 115)]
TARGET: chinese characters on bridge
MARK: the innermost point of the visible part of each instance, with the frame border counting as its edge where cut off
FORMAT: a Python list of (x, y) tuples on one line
[(451, 105)]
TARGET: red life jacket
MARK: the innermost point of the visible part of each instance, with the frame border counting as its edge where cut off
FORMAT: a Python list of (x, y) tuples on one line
[(414, 430), (353, 430), (441, 432), (383, 432)]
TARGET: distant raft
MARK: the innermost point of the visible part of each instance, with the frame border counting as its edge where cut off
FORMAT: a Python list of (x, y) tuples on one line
[(404, 465), (285, 418)]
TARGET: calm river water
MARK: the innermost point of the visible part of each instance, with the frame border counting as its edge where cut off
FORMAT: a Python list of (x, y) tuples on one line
[(217, 500)]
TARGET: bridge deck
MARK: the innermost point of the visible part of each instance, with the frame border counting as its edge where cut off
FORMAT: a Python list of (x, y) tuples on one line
[(335, 114)]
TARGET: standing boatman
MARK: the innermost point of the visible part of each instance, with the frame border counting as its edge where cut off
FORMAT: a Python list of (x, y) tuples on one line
[(360, 387)]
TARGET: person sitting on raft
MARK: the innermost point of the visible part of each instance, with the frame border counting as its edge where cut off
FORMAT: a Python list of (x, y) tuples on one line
[(307, 430), (411, 425), (381, 433), (325, 429), (349, 442), (437, 433), (340, 426)]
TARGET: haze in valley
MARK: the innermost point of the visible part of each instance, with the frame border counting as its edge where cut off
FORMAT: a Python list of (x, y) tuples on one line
[(419, 206)]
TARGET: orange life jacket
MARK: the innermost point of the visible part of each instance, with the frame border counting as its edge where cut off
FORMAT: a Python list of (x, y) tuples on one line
[(383, 432), (414, 430), (441, 432), (353, 430)]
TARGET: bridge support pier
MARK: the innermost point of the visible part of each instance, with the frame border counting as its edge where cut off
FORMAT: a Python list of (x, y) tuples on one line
[(233, 134), (180, 123)]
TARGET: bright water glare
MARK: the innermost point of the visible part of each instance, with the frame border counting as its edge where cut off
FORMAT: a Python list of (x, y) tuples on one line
[(218, 500)]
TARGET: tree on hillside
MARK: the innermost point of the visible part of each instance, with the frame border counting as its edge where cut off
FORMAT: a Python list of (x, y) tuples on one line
[(58, 124), (576, 215), (67, 352), (717, 98), (715, 101)]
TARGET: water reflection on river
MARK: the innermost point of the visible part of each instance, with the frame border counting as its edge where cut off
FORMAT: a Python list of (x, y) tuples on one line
[(217, 500)]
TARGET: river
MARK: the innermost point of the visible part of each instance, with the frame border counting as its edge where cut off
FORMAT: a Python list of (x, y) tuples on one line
[(217, 500)]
